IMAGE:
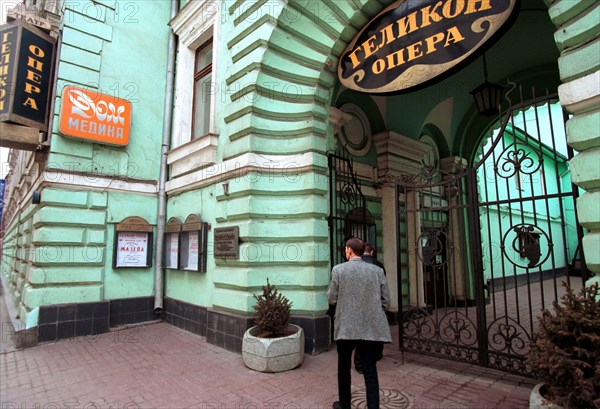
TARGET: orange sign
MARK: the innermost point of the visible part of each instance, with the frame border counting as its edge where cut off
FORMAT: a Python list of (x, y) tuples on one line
[(95, 117)]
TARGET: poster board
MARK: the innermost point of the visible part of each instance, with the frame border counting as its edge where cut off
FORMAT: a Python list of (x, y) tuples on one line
[(171, 243), (133, 244), (193, 244)]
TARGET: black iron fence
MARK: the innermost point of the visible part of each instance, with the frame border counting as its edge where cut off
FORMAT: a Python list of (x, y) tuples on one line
[(485, 245)]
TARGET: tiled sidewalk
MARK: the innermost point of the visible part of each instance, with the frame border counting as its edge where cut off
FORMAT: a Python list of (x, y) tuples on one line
[(161, 366)]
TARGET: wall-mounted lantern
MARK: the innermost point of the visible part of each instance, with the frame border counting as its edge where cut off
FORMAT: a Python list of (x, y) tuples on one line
[(488, 95)]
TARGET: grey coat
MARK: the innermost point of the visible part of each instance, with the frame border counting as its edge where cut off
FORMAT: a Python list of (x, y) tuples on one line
[(361, 294)]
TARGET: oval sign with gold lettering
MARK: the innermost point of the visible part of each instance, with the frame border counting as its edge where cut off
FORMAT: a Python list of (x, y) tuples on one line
[(411, 42)]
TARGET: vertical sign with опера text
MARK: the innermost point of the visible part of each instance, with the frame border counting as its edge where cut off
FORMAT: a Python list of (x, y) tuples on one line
[(26, 72), (95, 117)]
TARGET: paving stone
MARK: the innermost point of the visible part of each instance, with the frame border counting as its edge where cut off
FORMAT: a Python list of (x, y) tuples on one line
[(161, 366)]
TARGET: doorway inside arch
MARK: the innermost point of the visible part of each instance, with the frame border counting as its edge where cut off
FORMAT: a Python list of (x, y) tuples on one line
[(489, 244), (348, 215)]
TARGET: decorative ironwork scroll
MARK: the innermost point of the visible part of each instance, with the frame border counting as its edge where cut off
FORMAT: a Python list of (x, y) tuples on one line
[(345, 201), (484, 249)]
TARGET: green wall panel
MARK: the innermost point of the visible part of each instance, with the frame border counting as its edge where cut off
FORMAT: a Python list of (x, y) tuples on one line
[(82, 40), (35, 297), (88, 20), (66, 216), (126, 204), (66, 274), (77, 56)]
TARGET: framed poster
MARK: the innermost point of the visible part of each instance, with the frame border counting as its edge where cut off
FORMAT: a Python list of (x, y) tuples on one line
[(133, 249), (133, 243), (193, 244), (192, 251), (171, 251), (171, 243)]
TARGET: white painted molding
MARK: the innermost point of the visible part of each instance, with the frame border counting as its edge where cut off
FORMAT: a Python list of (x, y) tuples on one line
[(398, 154), (239, 166), (73, 181), (195, 18), (338, 118), (193, 155), (21, 198), (392, 143), (581, 94)]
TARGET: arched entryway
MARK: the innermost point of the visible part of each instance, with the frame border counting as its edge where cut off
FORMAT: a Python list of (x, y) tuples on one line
[(490, 243), (311, 98)]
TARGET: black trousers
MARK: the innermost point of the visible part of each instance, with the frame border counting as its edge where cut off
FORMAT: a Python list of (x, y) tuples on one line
[(369, 351), (357, 363)]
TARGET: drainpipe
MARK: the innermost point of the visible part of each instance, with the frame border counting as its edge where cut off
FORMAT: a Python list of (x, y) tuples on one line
[(162, 195)]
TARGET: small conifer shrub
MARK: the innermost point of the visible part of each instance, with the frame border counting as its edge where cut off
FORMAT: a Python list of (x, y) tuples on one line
[(565, 352), (273, 310)]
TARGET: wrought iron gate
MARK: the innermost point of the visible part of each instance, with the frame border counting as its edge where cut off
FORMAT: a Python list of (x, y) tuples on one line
[(483, 248), (348, 214)]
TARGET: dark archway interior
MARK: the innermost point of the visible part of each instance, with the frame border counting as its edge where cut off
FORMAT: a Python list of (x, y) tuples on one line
[(526, 55)]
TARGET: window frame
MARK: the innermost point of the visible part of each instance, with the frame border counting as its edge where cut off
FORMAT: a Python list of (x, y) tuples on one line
[(195, 25), (198, 76)]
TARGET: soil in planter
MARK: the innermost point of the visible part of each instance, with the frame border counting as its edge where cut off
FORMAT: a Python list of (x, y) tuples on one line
[(268, 334)]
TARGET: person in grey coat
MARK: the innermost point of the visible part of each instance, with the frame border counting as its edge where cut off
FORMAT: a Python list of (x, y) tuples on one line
[(361, 295), (369, 257)]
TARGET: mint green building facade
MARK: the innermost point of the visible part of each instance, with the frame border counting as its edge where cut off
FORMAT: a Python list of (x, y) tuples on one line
[(60, 250), (249, 149)]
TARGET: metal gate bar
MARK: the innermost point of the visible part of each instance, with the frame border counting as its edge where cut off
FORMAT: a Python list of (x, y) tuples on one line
[(345, 197), (475, 296)]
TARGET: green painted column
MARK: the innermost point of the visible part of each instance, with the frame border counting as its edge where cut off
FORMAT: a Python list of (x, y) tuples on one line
[(577, 38)]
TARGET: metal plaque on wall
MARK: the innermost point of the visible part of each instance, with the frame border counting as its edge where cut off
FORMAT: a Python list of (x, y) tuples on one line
[(227, 242)]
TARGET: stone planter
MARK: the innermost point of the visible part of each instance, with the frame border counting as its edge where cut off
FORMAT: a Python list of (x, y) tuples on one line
[(537, 401), (273, 354)]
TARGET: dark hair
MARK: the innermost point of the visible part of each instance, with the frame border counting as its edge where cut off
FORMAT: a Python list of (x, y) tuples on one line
[(356, 245), (369, 248)]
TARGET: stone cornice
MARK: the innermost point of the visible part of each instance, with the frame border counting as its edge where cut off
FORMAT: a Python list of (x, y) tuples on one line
[(581, 94), (183, 151), (338, 118), (453, 164), (242, 165), (398, 155), (393, 144), (195, 18)]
